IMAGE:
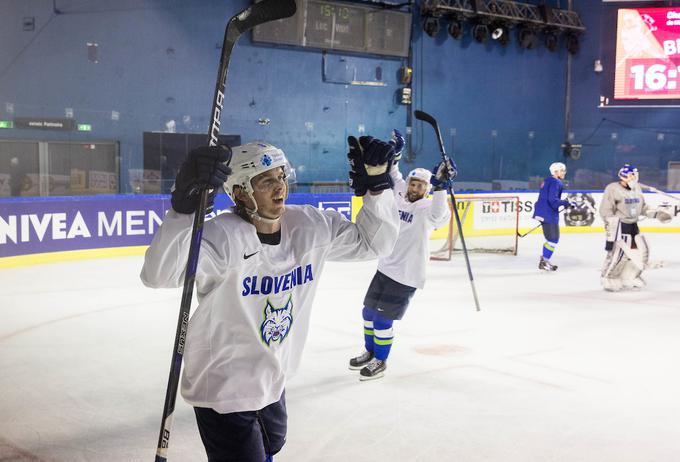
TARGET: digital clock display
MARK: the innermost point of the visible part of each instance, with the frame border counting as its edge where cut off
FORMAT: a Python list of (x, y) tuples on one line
[(328, 11), (331, 25), (647, 54)]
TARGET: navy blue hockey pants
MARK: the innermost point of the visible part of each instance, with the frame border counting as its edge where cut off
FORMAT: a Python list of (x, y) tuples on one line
[(250, 436)]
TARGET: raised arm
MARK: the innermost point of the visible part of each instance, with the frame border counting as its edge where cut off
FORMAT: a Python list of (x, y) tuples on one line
[(166, 258)]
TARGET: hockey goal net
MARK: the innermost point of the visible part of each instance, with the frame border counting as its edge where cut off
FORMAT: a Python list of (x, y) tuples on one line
[(489, 225)]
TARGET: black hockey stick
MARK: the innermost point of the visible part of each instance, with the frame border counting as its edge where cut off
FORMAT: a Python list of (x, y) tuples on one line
[(538, 225), (258, 13), (530, 231), (658, 191), (425, 117)]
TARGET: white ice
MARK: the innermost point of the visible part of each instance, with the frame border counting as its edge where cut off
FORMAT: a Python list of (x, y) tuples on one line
[(552, 369)]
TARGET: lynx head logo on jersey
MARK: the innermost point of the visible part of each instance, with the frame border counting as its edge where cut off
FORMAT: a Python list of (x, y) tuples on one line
[(277, 322)]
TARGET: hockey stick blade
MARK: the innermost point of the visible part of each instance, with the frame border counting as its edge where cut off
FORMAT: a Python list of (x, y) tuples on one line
[(259, 13), (425, 117), (265, 11)]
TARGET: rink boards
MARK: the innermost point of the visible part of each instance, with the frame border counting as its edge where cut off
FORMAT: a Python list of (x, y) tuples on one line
[(39, 230)]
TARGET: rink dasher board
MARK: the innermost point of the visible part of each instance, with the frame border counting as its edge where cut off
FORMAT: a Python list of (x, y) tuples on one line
[(43, 230)]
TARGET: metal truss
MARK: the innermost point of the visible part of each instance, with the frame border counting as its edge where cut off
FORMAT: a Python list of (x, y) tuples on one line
[(505, 11)]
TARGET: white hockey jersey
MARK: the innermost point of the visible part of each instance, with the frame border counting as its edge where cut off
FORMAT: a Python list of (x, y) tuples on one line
[(407, 263), (246, 336)]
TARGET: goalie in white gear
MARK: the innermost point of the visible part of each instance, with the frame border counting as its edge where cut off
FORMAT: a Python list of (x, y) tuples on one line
[(403, 271), (256, 278), (623, 205)]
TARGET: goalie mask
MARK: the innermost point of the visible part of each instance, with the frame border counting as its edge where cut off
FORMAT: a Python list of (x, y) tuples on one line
[(250, 160), (629, 174)]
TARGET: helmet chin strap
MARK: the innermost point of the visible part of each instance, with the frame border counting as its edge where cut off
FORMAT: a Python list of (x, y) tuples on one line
[(252, 213), (256, 216)]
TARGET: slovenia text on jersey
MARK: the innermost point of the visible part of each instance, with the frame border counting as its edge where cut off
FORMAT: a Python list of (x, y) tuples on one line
[(265, 285)]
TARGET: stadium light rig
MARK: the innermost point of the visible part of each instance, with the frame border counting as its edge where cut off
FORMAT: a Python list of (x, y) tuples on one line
[(500, 16)]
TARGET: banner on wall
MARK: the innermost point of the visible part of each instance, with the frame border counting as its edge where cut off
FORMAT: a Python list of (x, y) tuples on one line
[(584, 217), (43, 225), (29, 226), (497, 217)]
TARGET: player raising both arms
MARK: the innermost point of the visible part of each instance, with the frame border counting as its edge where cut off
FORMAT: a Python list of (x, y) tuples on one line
[(403, 271), (256, 278), (623, 205)]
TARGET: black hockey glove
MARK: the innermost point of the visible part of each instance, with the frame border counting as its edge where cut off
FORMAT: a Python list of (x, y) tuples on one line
[(204, 167), (370, 161), (609, 246), (443, 174)]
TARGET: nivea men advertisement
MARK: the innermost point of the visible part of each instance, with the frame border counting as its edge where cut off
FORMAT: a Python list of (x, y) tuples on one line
[(41, 225)]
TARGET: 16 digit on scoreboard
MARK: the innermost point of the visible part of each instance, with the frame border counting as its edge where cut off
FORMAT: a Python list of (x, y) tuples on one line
[(652, 77)]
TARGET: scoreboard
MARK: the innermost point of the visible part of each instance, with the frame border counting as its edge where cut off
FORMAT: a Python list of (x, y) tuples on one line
[(341, 26), (647, 54)]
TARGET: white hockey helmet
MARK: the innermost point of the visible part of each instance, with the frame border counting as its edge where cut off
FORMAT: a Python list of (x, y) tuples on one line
[(557, 167), (248, 161), (421, 174)]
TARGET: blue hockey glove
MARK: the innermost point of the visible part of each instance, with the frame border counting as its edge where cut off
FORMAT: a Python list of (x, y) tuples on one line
[(398, 142), (443, 174), (609, 246), (205, 167), (370, 160)]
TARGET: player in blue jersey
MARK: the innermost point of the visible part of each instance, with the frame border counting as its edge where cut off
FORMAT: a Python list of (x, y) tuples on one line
[(547, 211), (403, 271)]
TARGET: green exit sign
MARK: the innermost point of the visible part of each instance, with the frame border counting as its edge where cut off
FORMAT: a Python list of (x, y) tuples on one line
[(84, 127), (5, 124)]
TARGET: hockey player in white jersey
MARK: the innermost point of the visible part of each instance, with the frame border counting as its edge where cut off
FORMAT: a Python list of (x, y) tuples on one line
[(623, 205), (403, 271), (257, 274)]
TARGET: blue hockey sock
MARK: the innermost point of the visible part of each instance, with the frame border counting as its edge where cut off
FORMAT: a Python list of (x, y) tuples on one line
[(383, 336), (548, 249), (368, 315)]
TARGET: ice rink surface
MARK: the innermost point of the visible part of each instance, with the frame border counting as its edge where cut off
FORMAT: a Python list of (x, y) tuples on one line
[(552, 369)]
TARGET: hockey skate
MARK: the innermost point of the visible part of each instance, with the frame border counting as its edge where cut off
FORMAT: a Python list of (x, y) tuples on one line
[(360, 361), (545, 265), (373, 370)]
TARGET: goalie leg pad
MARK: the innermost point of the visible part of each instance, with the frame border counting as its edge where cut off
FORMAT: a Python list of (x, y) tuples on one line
[(631, 274), (643, 247), (612, 284), (615, 261)]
